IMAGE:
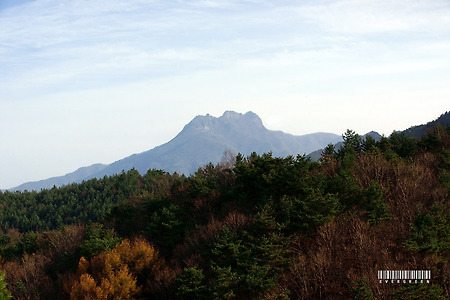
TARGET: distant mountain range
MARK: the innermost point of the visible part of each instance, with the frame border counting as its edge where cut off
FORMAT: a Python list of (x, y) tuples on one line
[(77, 176), (206, 138), (203, 140)]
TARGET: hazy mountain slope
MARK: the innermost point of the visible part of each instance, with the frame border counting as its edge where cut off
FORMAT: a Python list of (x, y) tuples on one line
[(420, 130), (203, 140), (206, 138), (76, 176)]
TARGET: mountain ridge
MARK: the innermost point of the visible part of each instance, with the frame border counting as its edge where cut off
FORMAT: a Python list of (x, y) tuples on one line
[(72, 177), (420, 130), (417, 132), (204, 139), (217, 135)]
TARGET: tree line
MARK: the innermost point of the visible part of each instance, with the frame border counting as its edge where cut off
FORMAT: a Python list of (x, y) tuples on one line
[(253, 227)]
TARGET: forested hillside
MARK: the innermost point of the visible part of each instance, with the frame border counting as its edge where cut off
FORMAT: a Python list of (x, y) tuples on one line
[(256, 227), (420, 130)]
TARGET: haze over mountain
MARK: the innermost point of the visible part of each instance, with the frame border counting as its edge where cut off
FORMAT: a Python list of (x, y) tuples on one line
[(77, 176), (205, 139)]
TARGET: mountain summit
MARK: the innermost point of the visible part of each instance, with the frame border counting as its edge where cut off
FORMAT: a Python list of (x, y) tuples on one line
[(204, 140), (232, 120)]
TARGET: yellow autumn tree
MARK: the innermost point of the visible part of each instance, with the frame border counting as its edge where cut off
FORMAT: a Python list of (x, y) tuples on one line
[(138, 255), (112, 274), (85, 288)]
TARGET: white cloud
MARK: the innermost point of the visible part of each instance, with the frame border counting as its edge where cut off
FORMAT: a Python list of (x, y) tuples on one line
[(304, 65), (372, 16)]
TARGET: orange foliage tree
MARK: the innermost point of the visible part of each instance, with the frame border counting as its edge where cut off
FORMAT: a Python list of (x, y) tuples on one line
[(114, 274)]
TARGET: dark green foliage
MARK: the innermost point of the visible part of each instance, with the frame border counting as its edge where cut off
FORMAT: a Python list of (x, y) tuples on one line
[(444, 168), (226, 283), (376, 208), (353, 144), (263, 179), (165, 224), (203, 182), (345, 186), (419, 291), (241, 263), (28, 243), (403, 145), (50, 209), (249, 262), (386, 148), (287, 185), (361, 290), (435, 140), (153, 212), (312, 210), (431, 232), (328, 153), (14, 246), (160, 184), (384, 144), (97, 240), (160, 220), (369, 143), (191, 284)]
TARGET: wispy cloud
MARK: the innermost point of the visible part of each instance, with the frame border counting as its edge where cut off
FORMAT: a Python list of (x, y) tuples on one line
[(370, 16), (102, 36), (212, 54)]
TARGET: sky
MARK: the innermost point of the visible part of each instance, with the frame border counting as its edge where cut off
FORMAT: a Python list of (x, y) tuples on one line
[(93, 81)]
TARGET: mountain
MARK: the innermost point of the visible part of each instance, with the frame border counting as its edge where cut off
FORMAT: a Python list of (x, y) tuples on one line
[(420, 130), (206, 138), (203, 140), (81, 173), (314, 156)]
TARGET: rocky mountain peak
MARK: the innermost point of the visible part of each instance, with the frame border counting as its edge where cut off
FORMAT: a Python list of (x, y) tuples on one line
[(229, 114), (251, 116), (204, 140), (210, 123)]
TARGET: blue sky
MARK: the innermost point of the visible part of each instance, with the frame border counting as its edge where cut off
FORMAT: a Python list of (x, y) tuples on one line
[(85, 81)]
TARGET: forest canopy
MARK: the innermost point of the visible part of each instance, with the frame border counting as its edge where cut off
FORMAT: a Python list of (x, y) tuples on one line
[(252, 227)]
